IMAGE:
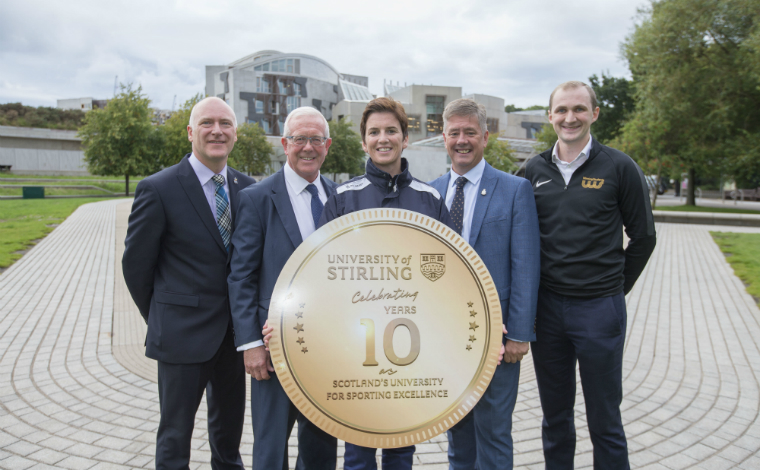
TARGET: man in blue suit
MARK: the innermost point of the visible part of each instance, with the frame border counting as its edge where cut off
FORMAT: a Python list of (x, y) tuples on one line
[(496, 213), (273, 219), (175, 266)]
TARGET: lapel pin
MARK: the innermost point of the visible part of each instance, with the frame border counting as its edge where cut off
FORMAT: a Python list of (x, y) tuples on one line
[(235, 180), (483, 192)]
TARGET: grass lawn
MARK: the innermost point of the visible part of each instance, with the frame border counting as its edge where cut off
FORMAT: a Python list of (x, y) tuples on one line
[(23, 221), (742, 251), (685, 208)]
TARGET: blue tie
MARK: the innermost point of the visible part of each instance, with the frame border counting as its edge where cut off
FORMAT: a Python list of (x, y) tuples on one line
[(316, 204), (223, 215), (457, 205)]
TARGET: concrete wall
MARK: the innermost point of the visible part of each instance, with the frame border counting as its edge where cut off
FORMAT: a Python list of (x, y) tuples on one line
[(519, 123), (33, 151), (427, 163)]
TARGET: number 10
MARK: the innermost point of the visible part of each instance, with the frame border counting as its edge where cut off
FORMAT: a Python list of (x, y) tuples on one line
[(390, 330)]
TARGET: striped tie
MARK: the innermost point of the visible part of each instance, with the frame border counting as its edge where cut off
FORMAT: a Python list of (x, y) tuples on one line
[(223, 215)]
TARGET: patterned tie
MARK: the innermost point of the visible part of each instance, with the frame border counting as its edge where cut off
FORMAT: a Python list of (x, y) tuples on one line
[(223, 215), (316, 204), (457, 206)]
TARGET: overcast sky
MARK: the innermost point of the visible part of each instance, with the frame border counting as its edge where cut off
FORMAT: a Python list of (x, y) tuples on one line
[(518, 50)]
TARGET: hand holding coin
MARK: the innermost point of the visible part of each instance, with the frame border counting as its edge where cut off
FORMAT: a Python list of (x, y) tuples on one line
[(267, 333)]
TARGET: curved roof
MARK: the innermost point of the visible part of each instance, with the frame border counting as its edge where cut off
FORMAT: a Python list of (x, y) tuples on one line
[(279, 55)]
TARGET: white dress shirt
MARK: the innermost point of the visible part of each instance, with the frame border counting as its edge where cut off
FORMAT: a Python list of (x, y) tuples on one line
[(300, 199), (568, 168), (204, 175), (470, 194)]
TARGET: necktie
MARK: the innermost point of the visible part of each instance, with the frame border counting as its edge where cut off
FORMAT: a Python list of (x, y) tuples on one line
[(223, 215), (457, 206), (316, 204)]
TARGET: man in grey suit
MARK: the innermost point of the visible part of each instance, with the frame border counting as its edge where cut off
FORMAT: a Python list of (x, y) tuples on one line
[(274, 218), (496, 213), (175, 267)]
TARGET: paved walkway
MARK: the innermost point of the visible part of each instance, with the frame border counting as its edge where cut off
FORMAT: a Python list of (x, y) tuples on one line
[(76, 392)]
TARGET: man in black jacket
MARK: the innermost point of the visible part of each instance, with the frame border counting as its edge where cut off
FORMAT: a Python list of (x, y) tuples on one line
[(585, 194)]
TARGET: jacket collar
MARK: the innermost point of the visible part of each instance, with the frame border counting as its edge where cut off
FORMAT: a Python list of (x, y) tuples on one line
[(387, 182)]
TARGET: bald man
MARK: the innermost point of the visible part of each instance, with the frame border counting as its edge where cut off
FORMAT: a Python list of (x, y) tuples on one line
[(175, 265)]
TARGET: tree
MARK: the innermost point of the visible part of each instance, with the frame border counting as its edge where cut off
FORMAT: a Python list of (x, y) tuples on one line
[(545, 138), (252, 152), (16, 114), (346, 154), (499, 154), (615, 96), (120, 139), (694, 64), (174, 131)]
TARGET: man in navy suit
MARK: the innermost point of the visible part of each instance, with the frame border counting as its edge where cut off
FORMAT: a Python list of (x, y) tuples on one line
[(496, 213), (175, 266), (274, 217)]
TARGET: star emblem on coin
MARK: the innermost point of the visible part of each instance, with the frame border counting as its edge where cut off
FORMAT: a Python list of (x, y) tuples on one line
[(299, 327), (473, 325), (300, 340), (469, 304), (304, 350), (473, 313), (299, 314), (472, 338), (468, 347), (301, 305)]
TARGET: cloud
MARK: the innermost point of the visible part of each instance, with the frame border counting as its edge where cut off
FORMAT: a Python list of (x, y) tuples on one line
[(516, 50)]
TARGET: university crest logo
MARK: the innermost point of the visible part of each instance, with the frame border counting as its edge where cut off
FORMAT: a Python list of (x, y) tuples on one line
[(592, 183), (433, 266)]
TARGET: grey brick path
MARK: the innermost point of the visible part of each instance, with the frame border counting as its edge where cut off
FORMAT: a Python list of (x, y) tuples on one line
[(75, 391)]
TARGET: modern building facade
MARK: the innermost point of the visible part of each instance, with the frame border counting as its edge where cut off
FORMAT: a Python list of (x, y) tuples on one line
[(265, 86), (83, 104)]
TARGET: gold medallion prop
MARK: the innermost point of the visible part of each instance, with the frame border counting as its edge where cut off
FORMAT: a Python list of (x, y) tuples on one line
[(387, 328)]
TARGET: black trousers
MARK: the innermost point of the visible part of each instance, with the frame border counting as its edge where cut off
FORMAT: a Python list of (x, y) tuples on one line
[(590, 333), (180, 390)]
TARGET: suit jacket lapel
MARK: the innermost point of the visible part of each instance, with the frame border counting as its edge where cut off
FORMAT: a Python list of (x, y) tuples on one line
[(487, 182), (232, 183), (195, 194), (281, 201)]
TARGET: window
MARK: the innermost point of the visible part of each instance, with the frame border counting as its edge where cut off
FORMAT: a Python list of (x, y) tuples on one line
[(290, 66), (265, 125), (274, 107), (297, 89), (434, 107), (266, 67), (415, 124), (257, 68), (259, 107), (492, 125), (262, 85), (293, 102)]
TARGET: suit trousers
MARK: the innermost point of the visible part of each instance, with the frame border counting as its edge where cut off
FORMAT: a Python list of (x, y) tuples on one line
[(590, 332), (180, 390), (483, 438), (363, 458), (272, 417)]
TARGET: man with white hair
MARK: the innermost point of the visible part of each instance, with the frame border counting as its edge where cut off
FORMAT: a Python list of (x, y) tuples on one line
[(274, 217), (175, 264)]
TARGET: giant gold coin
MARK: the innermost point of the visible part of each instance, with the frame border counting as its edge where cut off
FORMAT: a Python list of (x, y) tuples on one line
[(387, 328)]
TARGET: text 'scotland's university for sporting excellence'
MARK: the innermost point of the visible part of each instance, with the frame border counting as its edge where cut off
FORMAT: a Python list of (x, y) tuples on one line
[(387, 328)]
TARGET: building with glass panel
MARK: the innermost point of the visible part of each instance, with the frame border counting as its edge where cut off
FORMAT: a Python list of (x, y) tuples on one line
[(265, 86)]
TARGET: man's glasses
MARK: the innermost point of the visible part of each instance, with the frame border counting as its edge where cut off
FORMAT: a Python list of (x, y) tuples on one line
[(302, 140)]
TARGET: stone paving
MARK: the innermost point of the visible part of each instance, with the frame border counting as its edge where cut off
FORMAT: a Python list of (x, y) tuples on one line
[(76, 392)]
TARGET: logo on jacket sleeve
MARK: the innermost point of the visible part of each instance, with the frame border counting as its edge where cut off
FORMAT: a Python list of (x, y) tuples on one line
[(432, 266), (592, 183)]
